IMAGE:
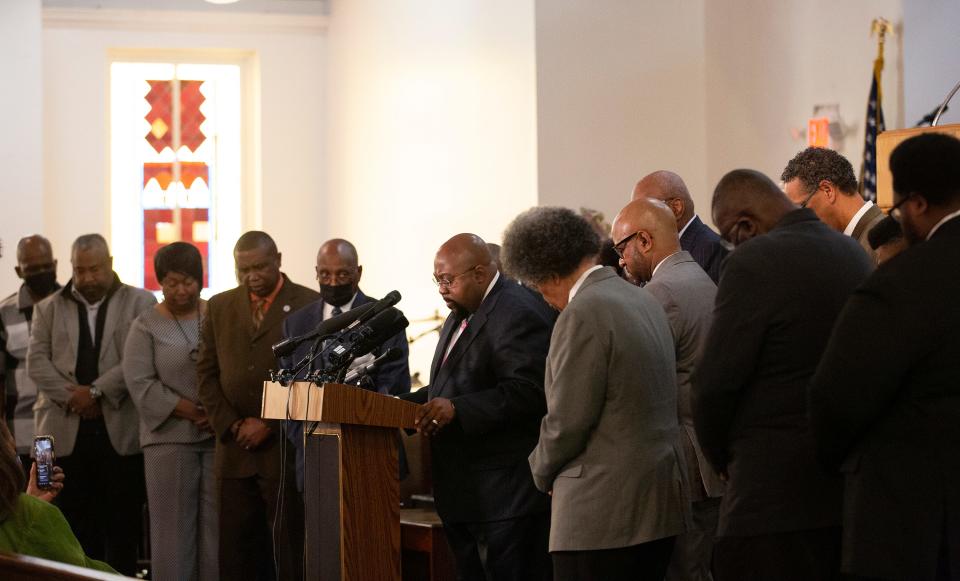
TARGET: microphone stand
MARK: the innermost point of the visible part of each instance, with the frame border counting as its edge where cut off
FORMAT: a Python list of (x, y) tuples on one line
[(943, 106)]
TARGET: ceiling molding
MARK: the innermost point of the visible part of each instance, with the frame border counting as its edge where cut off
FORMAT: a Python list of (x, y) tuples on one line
[(184, 21)]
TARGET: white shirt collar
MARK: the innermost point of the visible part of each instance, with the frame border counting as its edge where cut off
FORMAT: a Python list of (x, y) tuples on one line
[(942, 221), (856, 218), (328, 308), (576, 286), (687, 225), (654, 273), (496, 277)]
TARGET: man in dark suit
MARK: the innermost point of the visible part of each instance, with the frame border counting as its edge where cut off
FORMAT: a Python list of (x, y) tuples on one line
[(482, 413), (650, 252), (338, 272), (823, 180), (781, 291), (885, 401), (239, 327), (695, 237)]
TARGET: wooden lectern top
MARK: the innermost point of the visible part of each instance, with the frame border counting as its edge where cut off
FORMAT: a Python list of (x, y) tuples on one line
[(334, 403), (886, 143)]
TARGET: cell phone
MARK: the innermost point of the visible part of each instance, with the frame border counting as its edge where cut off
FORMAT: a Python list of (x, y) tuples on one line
[(44, 457)]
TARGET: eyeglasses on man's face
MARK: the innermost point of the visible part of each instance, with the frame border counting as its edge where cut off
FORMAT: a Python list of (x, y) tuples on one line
[(444, 280), (895, 212), (621, 247)]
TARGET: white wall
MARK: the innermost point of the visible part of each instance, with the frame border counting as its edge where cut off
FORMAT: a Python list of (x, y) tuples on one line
[(432, 132), (21, 140), (768, 63), (76, 147), (931, 45), (619, 95)]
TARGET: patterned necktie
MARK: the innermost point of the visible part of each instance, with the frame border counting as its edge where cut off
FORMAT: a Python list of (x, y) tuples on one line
[(258, 313)]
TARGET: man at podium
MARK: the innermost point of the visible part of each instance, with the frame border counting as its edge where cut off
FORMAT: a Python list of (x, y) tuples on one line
[(482, 413)]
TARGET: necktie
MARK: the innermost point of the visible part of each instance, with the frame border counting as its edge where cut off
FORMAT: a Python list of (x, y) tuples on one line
[(453, 341), (336, 311), (258, 313)]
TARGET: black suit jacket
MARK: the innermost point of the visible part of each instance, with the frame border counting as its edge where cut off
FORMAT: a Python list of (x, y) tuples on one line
[(885, 409), (494, 377), (778, 299), (704, 246)]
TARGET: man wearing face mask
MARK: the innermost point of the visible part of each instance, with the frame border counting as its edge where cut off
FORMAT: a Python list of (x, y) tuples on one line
[(75, 358), (338, 272), (38, 270)]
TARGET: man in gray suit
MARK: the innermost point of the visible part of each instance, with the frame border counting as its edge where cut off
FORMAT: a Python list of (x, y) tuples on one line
[(649, 250), (823, 180), (75, 358), (609, 449)]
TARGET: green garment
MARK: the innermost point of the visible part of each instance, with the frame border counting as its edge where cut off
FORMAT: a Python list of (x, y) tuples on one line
[(38, 529)]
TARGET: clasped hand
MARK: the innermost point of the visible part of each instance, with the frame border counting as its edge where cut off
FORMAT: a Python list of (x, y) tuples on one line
[(250, 433), (82, 403), (434, 415)]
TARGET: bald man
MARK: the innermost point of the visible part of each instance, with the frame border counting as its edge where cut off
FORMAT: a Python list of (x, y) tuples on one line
[(646, 239), (781, 292), (37, 268), (482, 413), (338, 274), (697, 238)]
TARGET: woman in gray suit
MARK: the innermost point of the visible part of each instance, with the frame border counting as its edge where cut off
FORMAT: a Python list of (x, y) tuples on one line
[(160, 368), (609, 449)]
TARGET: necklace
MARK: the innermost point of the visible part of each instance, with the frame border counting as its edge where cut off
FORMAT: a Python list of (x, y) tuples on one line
[(195, 352)]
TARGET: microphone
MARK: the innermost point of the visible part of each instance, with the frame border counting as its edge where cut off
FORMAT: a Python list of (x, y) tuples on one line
[(392, 298), (362, 339), (392, 354), (331, 325)]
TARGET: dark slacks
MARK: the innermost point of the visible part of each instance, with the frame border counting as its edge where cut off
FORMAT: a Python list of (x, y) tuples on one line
[(103, 499), (248, 510), (692, 557), (643, 562), (791, 556), (506, 550)]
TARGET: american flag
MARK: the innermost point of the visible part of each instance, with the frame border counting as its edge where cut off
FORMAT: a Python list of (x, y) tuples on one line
[(874, 125)]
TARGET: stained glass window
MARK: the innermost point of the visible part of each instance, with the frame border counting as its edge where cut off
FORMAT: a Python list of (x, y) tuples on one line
[(175, 166)]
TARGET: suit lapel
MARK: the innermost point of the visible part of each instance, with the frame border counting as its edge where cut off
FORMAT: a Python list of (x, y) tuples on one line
[(278, 310), (71, 324), (868, 217), (445, 333), (474, 326)]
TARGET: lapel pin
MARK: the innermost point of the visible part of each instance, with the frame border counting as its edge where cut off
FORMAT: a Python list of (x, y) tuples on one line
[(286, 308)]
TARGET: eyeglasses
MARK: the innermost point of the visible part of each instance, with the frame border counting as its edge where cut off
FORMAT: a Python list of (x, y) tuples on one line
[(621, 246), (895, 209), (804, 203), (446, 280)]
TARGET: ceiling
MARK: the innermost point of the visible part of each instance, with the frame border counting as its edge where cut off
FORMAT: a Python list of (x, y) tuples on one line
[(260, 6)]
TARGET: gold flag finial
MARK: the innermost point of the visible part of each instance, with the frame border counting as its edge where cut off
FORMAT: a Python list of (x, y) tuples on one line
[(881, 27)]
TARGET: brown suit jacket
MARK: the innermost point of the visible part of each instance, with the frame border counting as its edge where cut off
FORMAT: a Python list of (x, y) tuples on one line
[(234, 362)]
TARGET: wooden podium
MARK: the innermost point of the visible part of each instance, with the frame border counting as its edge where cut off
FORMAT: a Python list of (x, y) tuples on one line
[(351, 484), (886, 143)]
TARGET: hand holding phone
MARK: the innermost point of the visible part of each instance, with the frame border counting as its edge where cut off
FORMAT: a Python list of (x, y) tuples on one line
[(43, 461)]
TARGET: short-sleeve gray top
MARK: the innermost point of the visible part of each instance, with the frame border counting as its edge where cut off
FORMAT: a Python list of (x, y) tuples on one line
[(158, 369)]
